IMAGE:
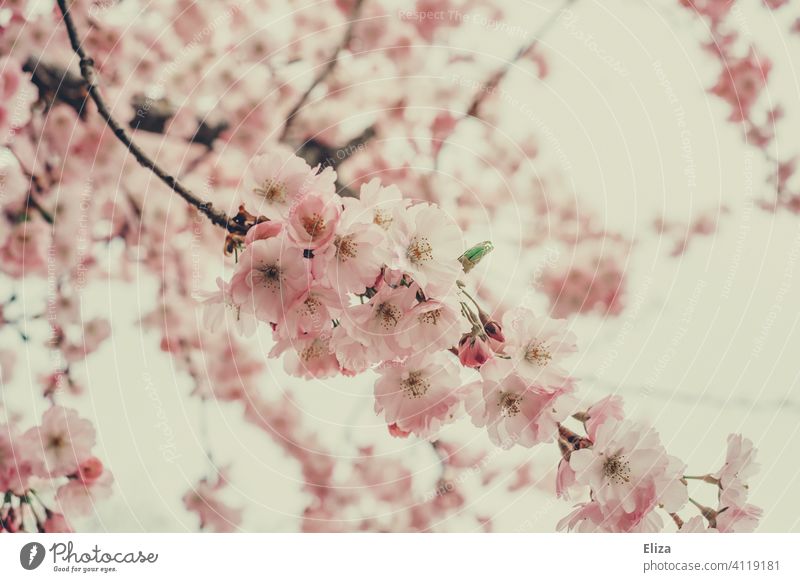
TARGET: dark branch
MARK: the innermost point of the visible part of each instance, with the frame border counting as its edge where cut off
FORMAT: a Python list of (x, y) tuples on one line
[(89, 76)]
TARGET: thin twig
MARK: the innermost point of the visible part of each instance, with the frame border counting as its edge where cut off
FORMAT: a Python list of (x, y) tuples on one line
[(327, 70), (489, 86), (217, 217)]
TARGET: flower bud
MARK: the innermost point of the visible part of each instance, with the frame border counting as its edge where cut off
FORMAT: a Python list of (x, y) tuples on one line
[(473, 350), (90, 470), (494, 330), (397, 432)]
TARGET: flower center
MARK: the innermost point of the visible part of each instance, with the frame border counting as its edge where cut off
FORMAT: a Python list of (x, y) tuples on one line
[(617, 469), (431, 317), (271, 276), (387, 315), (419, 251), (415, 385), (272, 191), (316, 350), (345, 247), (314, 224), (55, 442), (537, 353), (382, 218), (510, 404), (311, 306)]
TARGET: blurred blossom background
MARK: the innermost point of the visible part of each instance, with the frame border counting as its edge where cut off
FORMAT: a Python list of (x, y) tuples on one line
[(605, 168)]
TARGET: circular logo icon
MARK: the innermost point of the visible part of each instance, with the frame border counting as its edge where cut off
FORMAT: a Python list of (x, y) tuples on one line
[(31, 555)]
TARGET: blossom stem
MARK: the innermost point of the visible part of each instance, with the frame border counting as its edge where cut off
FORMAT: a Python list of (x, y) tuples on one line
[(707, 512), (677, 519), (704, 478), (88, 73), (471, 298)]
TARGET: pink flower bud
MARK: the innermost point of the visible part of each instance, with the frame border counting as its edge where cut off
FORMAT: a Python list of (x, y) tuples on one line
[(397, 432), (90, 470), (473, 351), (494, 331)]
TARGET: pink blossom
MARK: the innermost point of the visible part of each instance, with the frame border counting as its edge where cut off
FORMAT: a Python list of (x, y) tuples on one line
[(587, 285), (375, 323), (307, 357), (517, 412), (565, 479), (205, 500), (353, 355), (431, 325), (741, 83), (313, 220), (16, 97), (627, 466), (740, 462), (715, 10), (280, 180), (263, 230), (358, 252), (736, 519), (591, 517), (425, 243), (605, 409), (24, 249), (78, 497), (269, 277), (61, 443), (312, 312), (537, 346), (219, 309), (378, 204), (420, 394)]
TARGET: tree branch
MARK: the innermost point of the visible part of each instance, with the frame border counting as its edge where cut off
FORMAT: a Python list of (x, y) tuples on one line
[(217, 217), (489, 86), (327, 70)]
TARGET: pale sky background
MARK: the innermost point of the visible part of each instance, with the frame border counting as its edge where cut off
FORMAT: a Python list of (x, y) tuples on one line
[(707, 346)]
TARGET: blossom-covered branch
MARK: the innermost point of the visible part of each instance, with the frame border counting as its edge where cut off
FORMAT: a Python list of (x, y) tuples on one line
[(89, 75)]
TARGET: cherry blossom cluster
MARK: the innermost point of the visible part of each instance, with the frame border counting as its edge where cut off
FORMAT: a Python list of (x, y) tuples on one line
[(49, 473), (378, 282)]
